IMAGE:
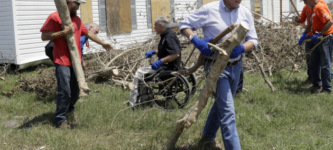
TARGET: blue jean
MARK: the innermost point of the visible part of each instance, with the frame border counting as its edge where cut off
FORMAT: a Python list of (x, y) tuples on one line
[(222, 114), (320, 64), (68, 92), (241, 78), (308, 47)]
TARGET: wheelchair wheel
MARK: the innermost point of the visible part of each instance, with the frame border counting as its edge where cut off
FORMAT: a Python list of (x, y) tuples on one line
[(176, 96), (193, 83)]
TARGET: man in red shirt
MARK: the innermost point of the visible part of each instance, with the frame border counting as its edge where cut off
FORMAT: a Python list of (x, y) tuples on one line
[(321, 57), (68, 88)]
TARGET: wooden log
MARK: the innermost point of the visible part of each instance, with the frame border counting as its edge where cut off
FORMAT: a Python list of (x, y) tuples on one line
[(217, 68), (125, 84), (74, 53), (109, 72), (261, 67)]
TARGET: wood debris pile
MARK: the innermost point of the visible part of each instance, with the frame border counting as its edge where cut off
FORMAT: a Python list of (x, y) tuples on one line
[(277, 48)]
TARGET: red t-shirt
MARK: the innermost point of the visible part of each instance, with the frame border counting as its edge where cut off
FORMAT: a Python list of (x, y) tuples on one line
[(61, 54), (306, 13), (320, 15)]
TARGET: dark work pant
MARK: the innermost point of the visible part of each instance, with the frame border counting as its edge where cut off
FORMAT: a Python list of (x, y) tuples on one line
[(320, 64), (68, 92)]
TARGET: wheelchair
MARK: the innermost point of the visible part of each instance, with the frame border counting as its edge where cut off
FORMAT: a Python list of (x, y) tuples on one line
[(166, 89)]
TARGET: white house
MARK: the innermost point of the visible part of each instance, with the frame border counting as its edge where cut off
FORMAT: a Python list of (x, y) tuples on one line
[(21, 20)]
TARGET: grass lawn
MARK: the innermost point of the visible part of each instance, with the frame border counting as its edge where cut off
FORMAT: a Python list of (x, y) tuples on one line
[(290, 118)]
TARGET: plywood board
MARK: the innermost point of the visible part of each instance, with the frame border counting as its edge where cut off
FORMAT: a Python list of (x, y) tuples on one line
[(118, 16), (207, 1), (86, 12), (125, 20), (160, 8)]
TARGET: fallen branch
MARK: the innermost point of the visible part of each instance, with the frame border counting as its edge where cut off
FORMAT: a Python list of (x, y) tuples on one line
[(261, 67)]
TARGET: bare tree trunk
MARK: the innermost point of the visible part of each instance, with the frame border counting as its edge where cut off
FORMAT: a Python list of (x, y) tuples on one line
[(75, 57), (217, 68)]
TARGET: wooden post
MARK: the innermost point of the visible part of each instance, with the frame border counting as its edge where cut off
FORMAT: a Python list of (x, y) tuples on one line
[(217, 68), (292, 3), (280, 11), (75, 57)]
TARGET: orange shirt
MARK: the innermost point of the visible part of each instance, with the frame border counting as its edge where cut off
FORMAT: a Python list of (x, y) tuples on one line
[(320, 15), (306, 13)]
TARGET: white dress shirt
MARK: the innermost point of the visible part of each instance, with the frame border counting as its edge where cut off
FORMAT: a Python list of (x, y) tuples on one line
[(215, 17)]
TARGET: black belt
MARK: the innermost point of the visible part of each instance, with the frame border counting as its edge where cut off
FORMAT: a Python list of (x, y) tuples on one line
[(229, 63)]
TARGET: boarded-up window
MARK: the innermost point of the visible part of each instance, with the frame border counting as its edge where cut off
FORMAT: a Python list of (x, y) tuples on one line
[(86, 12), (256, 7), (102, 14), (160, 8), (292, 7), (204, 2), (148, 9), (118, 16), (133, 15)]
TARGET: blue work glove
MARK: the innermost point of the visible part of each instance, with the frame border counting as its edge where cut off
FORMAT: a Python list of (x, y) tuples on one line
[(314, 38), (237, 51), (202, 45), (150, 54), (303, 37), (156, 65)]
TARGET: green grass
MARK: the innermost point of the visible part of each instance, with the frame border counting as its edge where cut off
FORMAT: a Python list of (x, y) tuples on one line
[(290, 118)]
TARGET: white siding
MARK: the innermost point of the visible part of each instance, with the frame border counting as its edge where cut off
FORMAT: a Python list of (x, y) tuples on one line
[(30, 17), (7, 36)]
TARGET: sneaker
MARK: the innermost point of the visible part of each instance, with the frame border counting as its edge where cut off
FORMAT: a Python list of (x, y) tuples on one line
[(325, 92), (315, 89), (207, 144)]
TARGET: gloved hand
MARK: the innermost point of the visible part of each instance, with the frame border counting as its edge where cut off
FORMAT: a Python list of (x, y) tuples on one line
[(150, 54), (237, 51), (156, 65), (303, 37), (202, 45), (314, 37)]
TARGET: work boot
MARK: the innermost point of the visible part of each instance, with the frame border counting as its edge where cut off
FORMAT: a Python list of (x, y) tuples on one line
[(207, 144), (315, 89)]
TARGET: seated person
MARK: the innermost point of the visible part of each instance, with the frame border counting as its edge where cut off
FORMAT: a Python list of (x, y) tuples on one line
[(168, 55)]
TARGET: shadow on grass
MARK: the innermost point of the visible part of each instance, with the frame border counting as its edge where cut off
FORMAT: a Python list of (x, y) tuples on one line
[(293, 85), (46, 118), (47, 99)]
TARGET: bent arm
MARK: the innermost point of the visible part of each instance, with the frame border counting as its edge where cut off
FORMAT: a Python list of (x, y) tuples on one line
[(170, 58), (327, 26), (46, 36), (248, 45)]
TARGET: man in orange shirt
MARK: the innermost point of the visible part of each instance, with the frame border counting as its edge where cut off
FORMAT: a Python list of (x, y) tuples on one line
[(305, 16), (321, 57)]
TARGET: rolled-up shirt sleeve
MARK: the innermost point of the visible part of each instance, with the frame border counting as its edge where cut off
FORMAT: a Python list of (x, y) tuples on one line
[(252, 34), (194, 21)]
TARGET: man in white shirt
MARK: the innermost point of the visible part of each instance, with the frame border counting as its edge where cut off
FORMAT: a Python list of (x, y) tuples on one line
[(213, 18)]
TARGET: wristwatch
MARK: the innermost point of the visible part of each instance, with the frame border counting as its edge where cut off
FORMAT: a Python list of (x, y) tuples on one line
[(191, 37)]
